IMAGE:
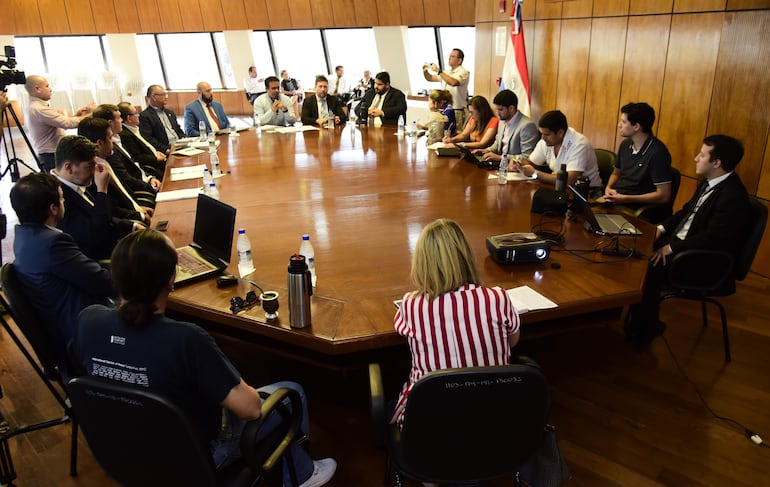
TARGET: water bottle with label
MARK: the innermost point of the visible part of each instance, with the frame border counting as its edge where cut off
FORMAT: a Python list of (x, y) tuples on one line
[(306, 249), (215, 169), (257, 123), (401, 126), (245, 259), (502, 174), (213, 191), (201, 130), (413, 134), (212, 140), (207, 179)]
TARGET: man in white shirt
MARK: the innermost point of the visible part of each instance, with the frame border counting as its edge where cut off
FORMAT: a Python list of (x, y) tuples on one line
[(338, 86), (46, 125), (273, 107), (455, 81), (252, 85), (561, 145)]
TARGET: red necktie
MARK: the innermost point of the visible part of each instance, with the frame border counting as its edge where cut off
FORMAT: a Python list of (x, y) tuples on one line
[(214, 116)]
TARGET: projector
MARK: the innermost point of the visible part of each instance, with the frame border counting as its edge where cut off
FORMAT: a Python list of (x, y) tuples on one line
[(518, 247)]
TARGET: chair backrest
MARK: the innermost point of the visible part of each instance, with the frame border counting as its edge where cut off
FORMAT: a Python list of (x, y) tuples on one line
[(472, 424), (139, 438), (27, 320), (757, 222), (605, 159), (676, 180)]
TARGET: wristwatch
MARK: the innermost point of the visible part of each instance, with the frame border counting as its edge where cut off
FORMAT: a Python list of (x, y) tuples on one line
[(534, 174)]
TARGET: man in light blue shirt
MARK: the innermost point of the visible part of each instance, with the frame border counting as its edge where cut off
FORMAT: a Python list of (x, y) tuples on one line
[(273, 107)]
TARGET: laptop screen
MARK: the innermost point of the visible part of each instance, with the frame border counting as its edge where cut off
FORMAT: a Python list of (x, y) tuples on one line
[(214, 227)]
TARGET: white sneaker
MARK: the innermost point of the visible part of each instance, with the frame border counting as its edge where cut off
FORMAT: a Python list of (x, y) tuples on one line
[(323, 471)]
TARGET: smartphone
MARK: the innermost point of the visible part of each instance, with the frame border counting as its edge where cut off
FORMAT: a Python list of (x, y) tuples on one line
[(162, 226)]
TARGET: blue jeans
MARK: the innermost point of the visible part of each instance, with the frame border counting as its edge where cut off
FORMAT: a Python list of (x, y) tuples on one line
[(226, 448)]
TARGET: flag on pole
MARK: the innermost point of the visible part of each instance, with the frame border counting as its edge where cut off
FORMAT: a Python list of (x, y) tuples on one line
[(515, 75)]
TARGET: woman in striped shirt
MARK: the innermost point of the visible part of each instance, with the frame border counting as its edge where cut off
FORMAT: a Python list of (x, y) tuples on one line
[(451, 321)]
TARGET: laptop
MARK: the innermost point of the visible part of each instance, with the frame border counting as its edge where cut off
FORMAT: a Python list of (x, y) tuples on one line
[(477, 159), (602, 223), (209, 253)]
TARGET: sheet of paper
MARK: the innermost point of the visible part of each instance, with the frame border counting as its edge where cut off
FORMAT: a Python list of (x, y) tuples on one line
[(512, 176), (187, 152), (293, 129), (179, 194), (526, 299), (439, 145)]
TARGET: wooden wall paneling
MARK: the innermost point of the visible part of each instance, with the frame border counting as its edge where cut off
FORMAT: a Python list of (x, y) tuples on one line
[(573, 70), (300, 13), (344, 13), (126, 14), (9, 19), (528, 9), (437, 12), (412, 12), (547, 9), (191, 16), (529, 45), (149, 16), (740, 104), (687, 85), (496, 62), (54, 17), (747, 4), (170, 15), (605, 72), (231, 102), (26, 16), (577, 9), (366, 13), (279, 15), (81, 18), (763, 189), (651, 7), (105, 17), (213, 14), (606, 8), (256, 14), (235, 15), (489, 10), (460, 12), (645, 65), (324, 13), (699, 5), (544, 71), (389, 13), (485, 47), (483, 11)]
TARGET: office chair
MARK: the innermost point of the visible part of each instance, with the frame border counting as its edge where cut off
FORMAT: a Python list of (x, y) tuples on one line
[(701, 275), (657, 213), (605, 159), (28, 323), (142, 439), (463, 426)]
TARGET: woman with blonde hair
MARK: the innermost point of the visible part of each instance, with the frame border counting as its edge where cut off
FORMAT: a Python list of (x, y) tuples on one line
[(451, 320), (481, 129)]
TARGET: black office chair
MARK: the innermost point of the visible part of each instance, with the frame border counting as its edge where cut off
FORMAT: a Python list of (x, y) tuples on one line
[(28, 323), (142, 439), (463, 426), (701, 275), (605, 159), (657, 213)]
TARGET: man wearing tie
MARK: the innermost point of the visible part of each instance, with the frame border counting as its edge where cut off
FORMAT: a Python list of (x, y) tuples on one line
[(384, 103), (136, 145), (157, 123), (273, 107), (713, 219), (517, 134), (205, 110), (319, 108), (339, 86)]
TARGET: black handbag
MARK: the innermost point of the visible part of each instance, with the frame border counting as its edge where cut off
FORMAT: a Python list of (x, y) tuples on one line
[(546, 468)]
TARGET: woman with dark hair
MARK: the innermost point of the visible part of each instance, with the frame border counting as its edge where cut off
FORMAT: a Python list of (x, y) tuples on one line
[(136, 343), (481, 129), (451, 320)]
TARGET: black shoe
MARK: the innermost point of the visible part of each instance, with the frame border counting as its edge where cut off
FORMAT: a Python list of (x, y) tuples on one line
[(647, 334)]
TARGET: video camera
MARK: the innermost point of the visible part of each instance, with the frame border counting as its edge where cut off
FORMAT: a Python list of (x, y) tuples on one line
[(10, 76)]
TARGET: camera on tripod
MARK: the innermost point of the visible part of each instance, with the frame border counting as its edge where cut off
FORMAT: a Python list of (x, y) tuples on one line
[(10, 76)]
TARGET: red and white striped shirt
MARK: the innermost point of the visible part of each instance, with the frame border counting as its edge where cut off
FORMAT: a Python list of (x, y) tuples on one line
[(468, 327)]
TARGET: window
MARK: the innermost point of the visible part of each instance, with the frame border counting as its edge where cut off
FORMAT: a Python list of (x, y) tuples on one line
[(422, 49), (189, 59), (29, 55), (463, 38), (80, 70), (301, 53), (263, 58), (224, 60), (355, 49), (149, 60)]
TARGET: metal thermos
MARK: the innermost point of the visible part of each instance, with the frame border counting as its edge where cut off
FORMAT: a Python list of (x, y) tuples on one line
[(300, 288)]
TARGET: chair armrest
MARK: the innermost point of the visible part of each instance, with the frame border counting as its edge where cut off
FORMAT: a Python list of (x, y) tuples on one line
[(377, 405), (700, 270), (262, 456)]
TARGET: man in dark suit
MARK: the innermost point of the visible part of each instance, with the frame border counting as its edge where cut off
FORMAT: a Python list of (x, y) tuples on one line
[(318, 108), (516, 134), (384, 103), (56, 277), (157, 123), (205, 110), (714, 219), (141, 150)]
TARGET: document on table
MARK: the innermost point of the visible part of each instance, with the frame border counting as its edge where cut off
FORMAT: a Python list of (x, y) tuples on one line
[(526, 299), (178, 194), (292, 129), (188, 172), (187, 152), (513, 176)]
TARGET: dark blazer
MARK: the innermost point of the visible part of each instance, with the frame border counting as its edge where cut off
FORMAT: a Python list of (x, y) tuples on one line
[(58, 279), (719, 224), (152, 128), (92, 227), (310, 109), (193, 113), (127, 170), (393, 106), (142, 153)]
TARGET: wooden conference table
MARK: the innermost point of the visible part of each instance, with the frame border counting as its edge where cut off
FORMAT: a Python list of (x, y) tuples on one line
[(364, 195)]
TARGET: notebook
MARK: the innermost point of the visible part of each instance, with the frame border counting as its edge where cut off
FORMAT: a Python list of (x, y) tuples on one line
[(602, 223), (209, 252), (477, 159)]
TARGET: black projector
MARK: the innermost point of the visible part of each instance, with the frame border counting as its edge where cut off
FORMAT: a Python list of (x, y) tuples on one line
[(518, 247)]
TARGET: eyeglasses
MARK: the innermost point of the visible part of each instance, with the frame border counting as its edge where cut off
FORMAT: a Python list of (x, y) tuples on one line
[(162, 95), (238, 304)]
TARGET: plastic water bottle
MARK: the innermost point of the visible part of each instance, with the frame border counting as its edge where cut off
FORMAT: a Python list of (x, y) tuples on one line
[(201, 130), (213, 191), (215, 169), (257, 123), (414, 131), (306, 249), (245, 261), (212, 142), (561, 179), (400, 125), (502, 174), (207, 179)]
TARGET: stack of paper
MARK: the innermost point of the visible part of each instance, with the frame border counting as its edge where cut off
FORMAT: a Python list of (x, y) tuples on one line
[(526, 299)]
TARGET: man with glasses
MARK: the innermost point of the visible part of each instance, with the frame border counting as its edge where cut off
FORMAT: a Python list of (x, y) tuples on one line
[(205, 110), (140, 149), (158, 124), (517, 134), (455, 81), (273, 107)]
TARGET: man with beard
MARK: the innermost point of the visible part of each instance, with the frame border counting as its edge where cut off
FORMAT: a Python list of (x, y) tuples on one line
[(204, 109), (384, 103)]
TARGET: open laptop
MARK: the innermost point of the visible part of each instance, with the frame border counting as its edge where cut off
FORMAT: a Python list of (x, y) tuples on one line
[(601, 223), (209, 253), (477, 159)]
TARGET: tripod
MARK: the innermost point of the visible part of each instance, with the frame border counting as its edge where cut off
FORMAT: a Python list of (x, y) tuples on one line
[(13, 162)]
